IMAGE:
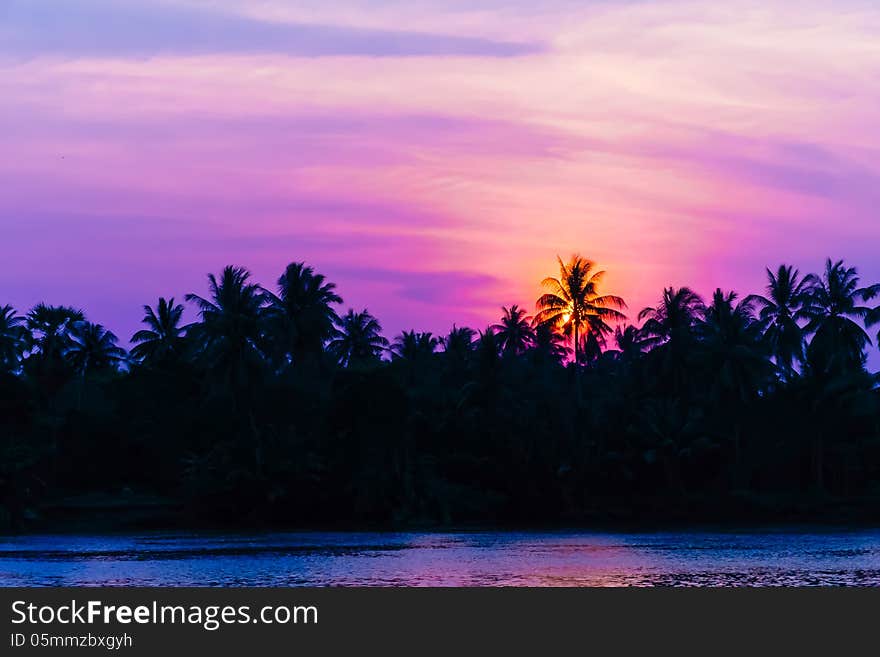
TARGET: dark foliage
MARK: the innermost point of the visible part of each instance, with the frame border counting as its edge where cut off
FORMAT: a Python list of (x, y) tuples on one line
[(275, 408)]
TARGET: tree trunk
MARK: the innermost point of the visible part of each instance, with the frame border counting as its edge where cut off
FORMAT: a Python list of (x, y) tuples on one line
[(577, 370)]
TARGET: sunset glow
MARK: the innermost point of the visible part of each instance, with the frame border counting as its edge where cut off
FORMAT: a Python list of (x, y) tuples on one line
[(432, 159)]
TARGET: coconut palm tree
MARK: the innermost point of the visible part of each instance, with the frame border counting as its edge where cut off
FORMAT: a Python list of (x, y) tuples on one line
[(14, 338), (836, 350), (92, 348), (630, 343), (731, 338), (573, 303), (231, 338), (673, 319), (488, 353), (549, 345), (515, 332), (301, 314), (873, 316), (164, 339), (669, 332), (592, 346), (413, 346), (357, 339), (779, 313), (833, 310), (50, 327), (459, 342), (872, 319)]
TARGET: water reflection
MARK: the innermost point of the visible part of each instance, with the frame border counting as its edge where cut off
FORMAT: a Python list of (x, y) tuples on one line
[(755, 558)]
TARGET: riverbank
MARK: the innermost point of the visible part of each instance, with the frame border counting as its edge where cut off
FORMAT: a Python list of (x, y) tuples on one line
[(125, 511)]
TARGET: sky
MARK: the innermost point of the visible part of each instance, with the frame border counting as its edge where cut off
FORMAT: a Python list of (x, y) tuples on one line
[(431, 157)]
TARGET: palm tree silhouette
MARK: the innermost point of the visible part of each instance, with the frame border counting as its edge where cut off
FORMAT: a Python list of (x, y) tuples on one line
[(669, 332), (50, 327), (230, 336), (301, 312), (92, 347), (488, 352), (779, 314), (872, 319), (164, 339), (592, 346), (357, 339), (459, 342), (832, 309), (630, 342), (515, 331), (549, 346), (413, 346), (14, 338), (731, 347), (731, 336), (674, 319), (573, 303)]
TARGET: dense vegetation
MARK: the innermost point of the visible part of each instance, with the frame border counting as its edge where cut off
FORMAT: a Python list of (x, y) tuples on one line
[(274, 407)]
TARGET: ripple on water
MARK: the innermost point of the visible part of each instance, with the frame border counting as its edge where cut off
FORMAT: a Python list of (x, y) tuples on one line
[(764, 558)]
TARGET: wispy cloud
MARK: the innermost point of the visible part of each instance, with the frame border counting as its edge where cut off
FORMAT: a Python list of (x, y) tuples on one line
[(674, 141), (136, 28)]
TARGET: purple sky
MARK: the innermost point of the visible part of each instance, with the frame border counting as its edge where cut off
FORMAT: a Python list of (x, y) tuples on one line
[(431, 157)]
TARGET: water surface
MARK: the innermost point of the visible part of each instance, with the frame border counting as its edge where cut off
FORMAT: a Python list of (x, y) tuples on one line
[(689, 558)]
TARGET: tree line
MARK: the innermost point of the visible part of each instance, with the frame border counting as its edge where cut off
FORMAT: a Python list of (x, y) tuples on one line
[(276, 407)]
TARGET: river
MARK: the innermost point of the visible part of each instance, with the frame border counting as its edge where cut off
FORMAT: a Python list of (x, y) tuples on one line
[(767, 557)]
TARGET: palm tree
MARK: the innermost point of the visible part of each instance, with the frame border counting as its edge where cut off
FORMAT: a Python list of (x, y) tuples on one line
[(872, 319), (738, 365), (573, 303), (50, 327), (92, 347), (459, 342), (630, 342), (731, 335), (164, 339), (873, 316), (357, 339), (488, 351), (779, 313), (669, 332), (413, 346), (230, 336), (832, 309), (301, 313), (549, 345), (515, 331), (592, 345), (673, 319), (836, 350), (13, 338)]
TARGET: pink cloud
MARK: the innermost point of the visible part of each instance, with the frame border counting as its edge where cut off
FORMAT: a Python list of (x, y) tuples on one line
[(673, 142)]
